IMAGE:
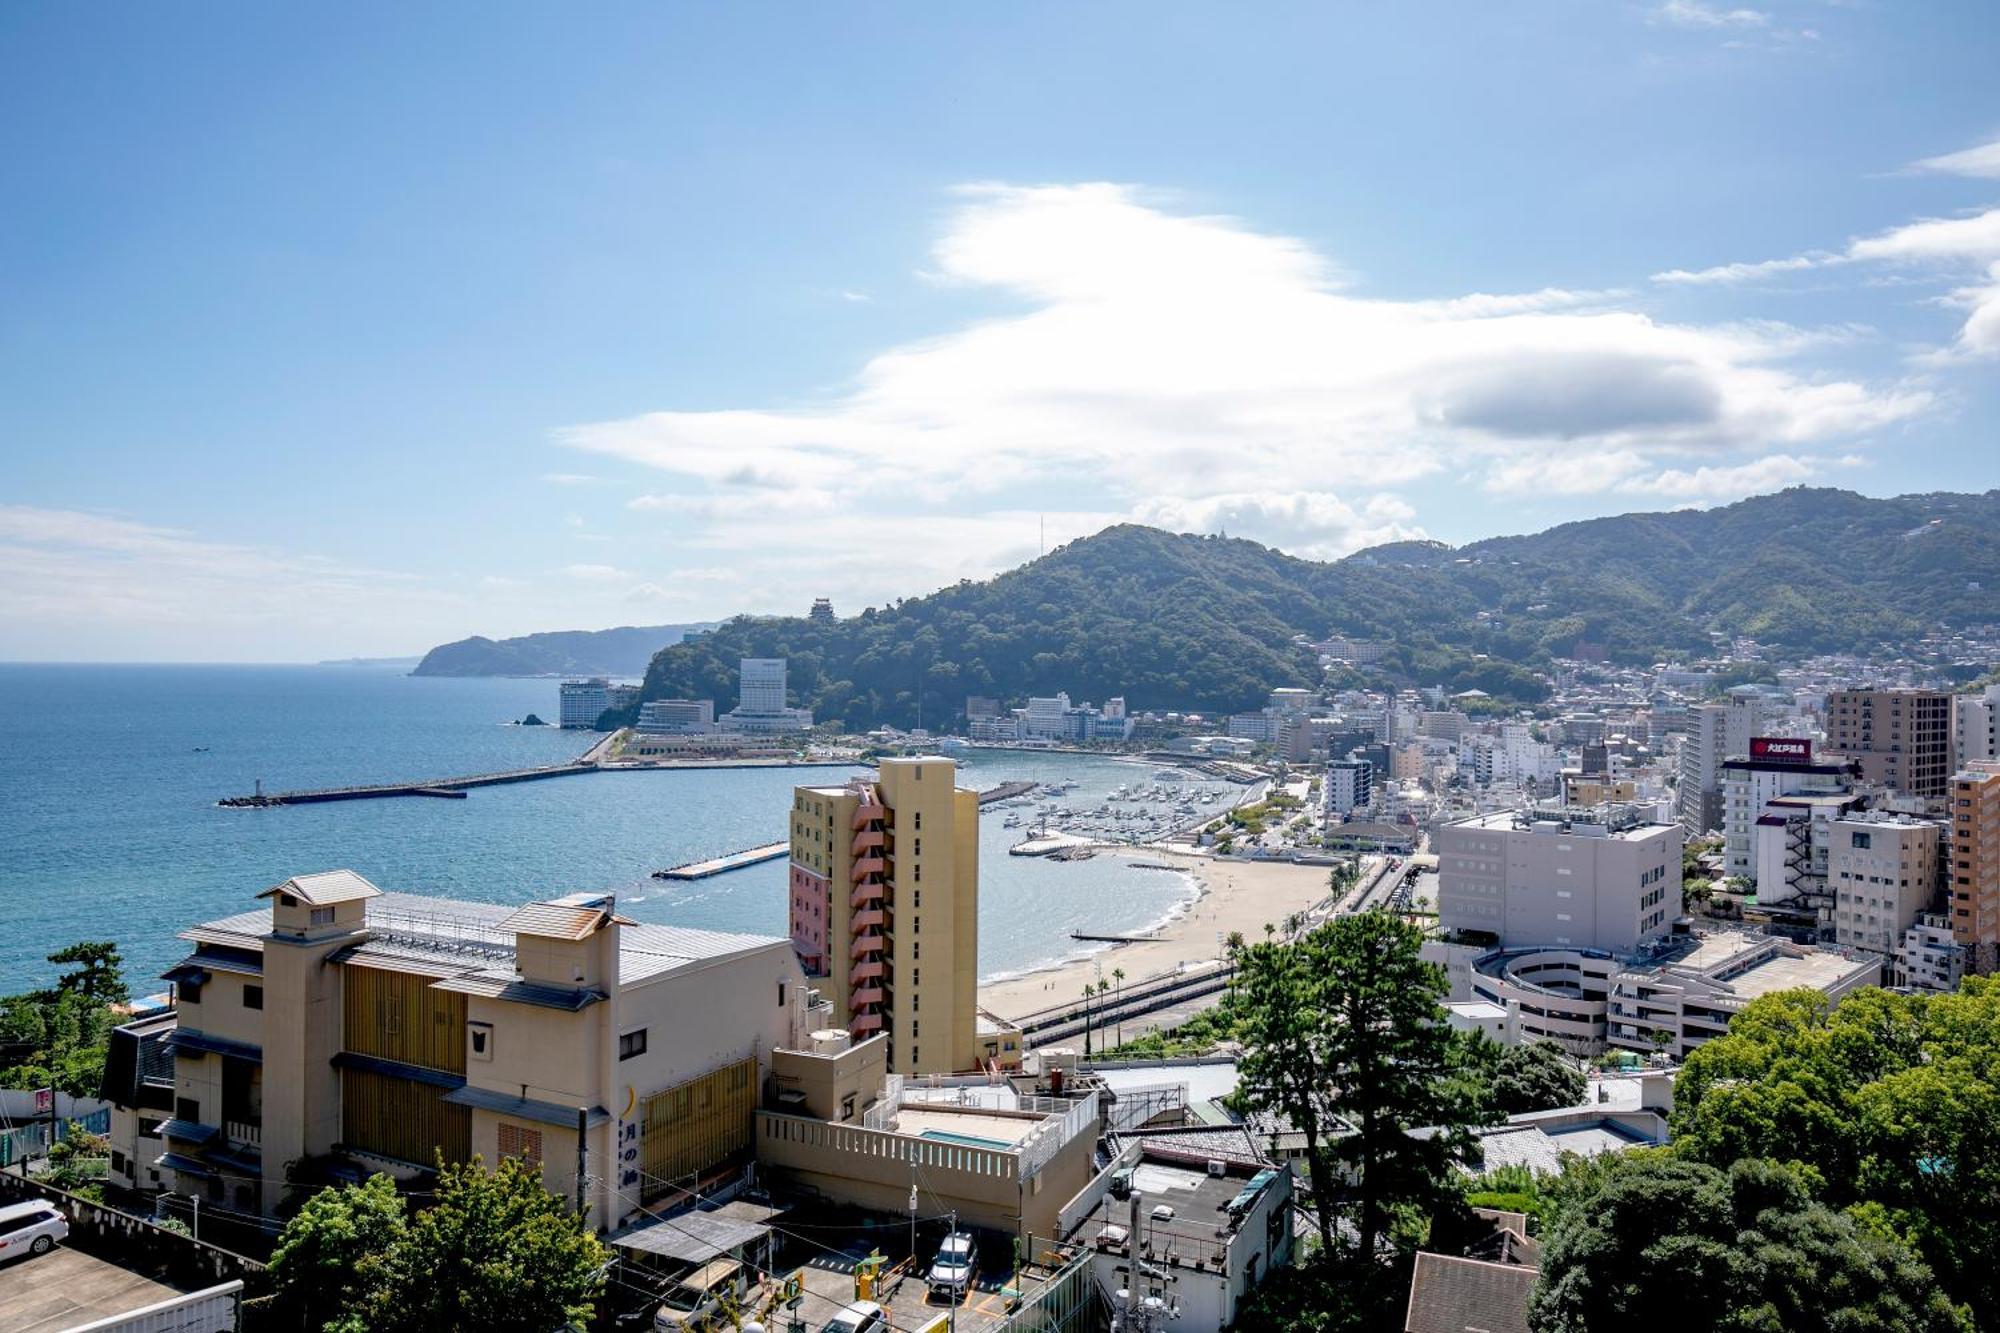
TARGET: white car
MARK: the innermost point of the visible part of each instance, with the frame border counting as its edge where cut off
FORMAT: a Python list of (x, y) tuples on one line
[(951, 1271), (30, 1228), (860, 1317)]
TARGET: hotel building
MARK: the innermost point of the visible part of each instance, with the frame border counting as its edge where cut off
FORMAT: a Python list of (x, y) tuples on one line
[(1604, 878), (1974, 892), (338, 1030), (890, 929), (1901, 738)]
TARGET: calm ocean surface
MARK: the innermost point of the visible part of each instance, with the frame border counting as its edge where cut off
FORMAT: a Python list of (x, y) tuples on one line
[(109, 828)]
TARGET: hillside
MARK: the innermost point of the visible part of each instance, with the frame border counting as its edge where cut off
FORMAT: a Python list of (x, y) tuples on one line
[(1209, 623), (625, 651)]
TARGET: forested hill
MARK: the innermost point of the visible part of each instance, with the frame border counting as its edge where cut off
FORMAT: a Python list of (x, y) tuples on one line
[(1210, 623), (625, 651)]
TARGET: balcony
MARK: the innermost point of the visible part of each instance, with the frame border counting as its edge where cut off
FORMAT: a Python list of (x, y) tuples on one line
[(866, 866), (874, 919), (867, 996), (869, 812), (864, 1025), (249, 1133), (868, 840), (865, 895), (867, 944), (873, 970)]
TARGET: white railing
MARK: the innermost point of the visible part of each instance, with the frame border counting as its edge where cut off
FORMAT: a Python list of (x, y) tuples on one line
[(882, 1115), (440, 930), (242, 1131), (1053, 1135)]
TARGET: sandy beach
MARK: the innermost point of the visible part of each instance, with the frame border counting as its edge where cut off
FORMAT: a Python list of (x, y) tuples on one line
[(1236, 896)]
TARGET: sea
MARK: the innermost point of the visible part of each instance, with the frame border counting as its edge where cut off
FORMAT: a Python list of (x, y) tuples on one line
[(109, 827)]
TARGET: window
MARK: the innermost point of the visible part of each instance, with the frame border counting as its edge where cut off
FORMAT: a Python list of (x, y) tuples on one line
[(117, 1162), (322, 916), (187, 1108), (916, 847), (286, 900), (913, 1057), (190, 990), (847, 1107), (253, 997), (480, 1036), (521, 1142), (916, 874), (631, 1044), (918, 821), (781, 995)]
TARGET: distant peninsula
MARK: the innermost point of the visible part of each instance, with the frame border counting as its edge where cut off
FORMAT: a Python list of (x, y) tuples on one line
[(624, 651)]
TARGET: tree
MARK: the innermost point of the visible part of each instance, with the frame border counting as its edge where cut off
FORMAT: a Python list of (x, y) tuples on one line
[(1346, 1041), (1892, 1101), (1536, 1076), (334, 1265), (97, 971), (496, 1253), (1654, 1242)]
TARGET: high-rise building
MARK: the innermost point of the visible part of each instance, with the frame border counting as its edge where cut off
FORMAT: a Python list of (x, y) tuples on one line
[(761, 693), (1350, 785), (1882, 870), (582, 702), (1973, 896), (1975, 732), (1901, 738), (874, 914), (1715, 732), (1775, 766), (1606, 878)]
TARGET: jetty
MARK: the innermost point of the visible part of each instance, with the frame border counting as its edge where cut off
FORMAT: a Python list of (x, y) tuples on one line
[(749, 856), (449, 788), (1007, 791)]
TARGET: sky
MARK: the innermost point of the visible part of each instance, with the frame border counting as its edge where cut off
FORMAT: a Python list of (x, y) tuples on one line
[(348, 330)]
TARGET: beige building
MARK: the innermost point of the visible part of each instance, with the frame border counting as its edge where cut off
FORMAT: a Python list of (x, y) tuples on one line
[(873, 913), (1901, 738), (1974, 892), (339, 1029), (838, 1123), (1605, 877), (1882, 872)]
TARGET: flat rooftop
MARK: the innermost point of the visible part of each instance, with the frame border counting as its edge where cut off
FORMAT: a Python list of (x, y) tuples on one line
[(1819, 970), (974, 1129), (456, 937), (66, 1287)]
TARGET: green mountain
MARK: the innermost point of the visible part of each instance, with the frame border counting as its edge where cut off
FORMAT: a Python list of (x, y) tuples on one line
[(625, 651), (1212, 624)]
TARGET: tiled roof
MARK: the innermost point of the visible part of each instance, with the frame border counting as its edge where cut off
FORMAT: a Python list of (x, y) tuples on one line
[(556, 921), (1452, 1295), (325, 888)]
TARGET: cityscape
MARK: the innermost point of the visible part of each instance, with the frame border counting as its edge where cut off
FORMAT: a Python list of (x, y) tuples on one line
[(1094, 670)]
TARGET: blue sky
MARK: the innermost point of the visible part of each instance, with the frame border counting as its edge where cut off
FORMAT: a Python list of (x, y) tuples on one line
[(354, 330)]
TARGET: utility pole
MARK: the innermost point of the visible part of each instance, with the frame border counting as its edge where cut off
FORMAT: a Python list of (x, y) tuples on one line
[(582, 1158), (913, 1215)]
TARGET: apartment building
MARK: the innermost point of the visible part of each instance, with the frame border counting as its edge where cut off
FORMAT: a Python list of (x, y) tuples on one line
[(1974, 891), (1715, 733), (1900, 738), (339, 1030), (1350, 786), (1882, 872), (1975, 727), (1775, 766), (1606, 878), (873, 914), (1930, 958)]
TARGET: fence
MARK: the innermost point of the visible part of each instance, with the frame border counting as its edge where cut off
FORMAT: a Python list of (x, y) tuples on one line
[(1069, 1302), (136, 1243), (24, 1142)]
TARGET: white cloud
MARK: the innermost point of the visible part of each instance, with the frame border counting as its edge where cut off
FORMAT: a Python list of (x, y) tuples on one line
[(596, 573), (1149, 353), (1316, 524), (1735, 273), (1732, 482), (570, 478), (1689, 14), (1983, 160)]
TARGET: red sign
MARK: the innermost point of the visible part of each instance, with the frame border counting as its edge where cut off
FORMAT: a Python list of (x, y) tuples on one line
[(45, 1100), (1781, 747)]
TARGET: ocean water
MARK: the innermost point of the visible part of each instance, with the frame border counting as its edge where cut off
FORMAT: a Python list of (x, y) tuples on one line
[(109, 828)]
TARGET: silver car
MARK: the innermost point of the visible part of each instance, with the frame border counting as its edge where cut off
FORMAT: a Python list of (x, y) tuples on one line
[(951, 1272)]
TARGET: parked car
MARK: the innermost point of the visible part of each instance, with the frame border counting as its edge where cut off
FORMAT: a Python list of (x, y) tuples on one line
[(697, 1300), (860, 1317), (951, 1272), (31, 1228)]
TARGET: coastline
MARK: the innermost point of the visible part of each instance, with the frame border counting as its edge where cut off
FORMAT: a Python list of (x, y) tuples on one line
[(1231, 896)]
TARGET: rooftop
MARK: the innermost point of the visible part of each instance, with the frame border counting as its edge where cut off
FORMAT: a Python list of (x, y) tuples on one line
[(449, 937), (325, 888)]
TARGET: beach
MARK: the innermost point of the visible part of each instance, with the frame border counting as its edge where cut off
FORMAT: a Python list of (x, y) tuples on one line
[(1236, 896)]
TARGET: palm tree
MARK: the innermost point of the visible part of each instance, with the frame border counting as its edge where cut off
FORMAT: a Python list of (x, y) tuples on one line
[(1088, 992), (1118, 975)]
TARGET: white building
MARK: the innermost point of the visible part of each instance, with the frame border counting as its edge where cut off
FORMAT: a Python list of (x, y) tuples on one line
[(1602, 878), (1882, 870), (1350, 786), (761, 706), (1929, 958), (1047, 718), (582, 702), (1716, 732), (1976, 727), (677, 717), (1776, 766)]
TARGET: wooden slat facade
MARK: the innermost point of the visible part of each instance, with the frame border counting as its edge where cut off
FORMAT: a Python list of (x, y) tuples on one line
[(696, 1125), (398, 1118), (397, 1016)]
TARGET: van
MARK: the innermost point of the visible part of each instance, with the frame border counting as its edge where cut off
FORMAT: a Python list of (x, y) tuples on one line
[(30, 1228), (697, 1300)]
